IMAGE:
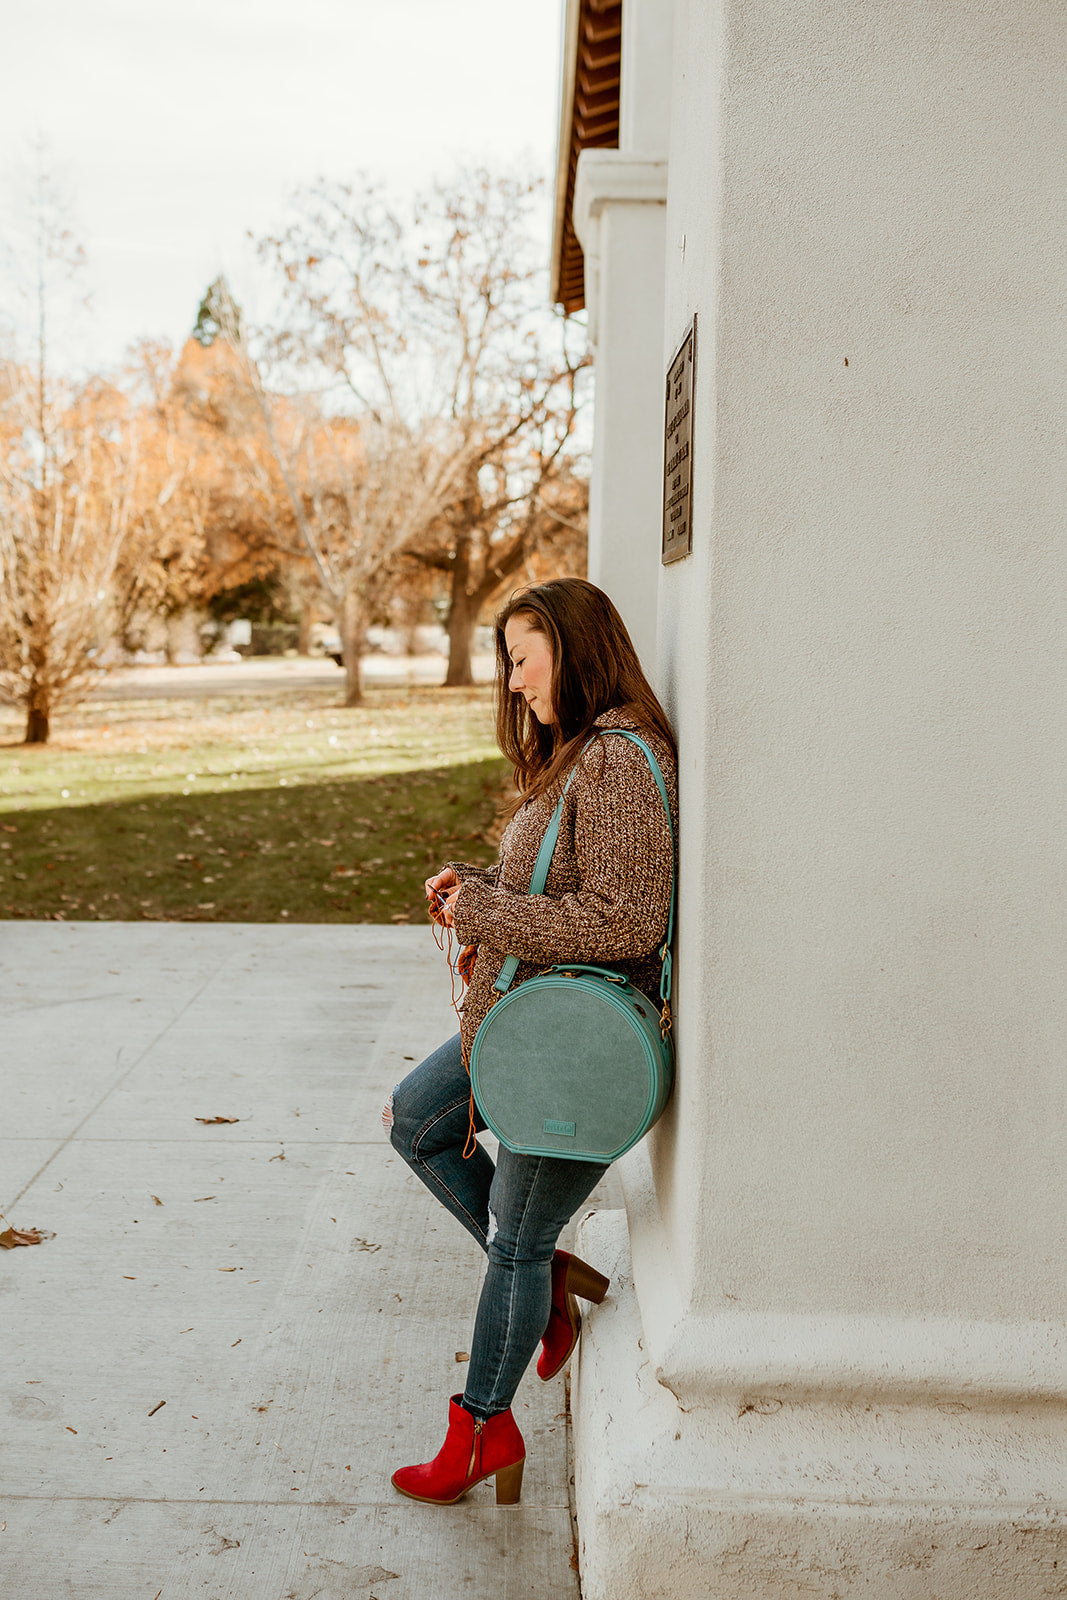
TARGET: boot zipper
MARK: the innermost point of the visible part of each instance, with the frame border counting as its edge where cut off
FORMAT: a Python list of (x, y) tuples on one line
[(478, 1426)]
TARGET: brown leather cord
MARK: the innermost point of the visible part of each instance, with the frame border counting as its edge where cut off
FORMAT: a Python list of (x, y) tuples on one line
[(442, 938)]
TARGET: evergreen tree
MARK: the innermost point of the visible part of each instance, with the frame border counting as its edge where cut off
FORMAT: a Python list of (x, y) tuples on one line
[(219, 315)]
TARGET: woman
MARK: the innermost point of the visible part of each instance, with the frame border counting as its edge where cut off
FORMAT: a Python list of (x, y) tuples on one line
[(566, 671)]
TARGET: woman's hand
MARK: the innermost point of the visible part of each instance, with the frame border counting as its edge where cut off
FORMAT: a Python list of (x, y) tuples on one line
[(445, 880), (442, 892)]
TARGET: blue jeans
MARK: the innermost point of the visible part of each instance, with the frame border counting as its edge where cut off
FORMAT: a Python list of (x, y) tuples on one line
[(515, 1210)]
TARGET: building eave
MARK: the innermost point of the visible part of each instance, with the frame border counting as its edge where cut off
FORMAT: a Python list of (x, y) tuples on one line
[(589, 119)]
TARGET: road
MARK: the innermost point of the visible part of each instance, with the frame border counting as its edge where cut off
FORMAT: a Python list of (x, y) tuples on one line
[(266, 675)]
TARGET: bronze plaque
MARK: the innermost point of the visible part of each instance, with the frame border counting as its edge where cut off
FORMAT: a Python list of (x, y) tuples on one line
[(678, 452)]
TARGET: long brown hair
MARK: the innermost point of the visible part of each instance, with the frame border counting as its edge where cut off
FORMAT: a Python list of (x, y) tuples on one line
[(594, 669)]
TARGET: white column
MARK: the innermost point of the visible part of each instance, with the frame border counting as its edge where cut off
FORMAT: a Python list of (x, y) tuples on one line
[(619, 210), (843, 1371)]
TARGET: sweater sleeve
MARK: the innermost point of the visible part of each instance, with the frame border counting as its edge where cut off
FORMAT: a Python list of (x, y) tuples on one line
[(467, 872), (623, 850)]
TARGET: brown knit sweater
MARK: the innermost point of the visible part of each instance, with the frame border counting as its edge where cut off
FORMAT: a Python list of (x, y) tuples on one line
[(609, 886)]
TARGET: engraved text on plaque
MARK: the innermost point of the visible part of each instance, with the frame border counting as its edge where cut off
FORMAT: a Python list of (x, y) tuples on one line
[(678, 452)]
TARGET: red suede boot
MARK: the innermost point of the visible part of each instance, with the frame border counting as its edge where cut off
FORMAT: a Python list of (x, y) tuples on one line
[(570, 1277), (472, 1451)]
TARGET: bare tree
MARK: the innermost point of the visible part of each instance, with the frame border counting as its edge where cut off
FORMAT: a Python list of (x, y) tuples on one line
[(65, 496), (431, 396), (529, 499), (354, 489), (68, 460), (359, 492)]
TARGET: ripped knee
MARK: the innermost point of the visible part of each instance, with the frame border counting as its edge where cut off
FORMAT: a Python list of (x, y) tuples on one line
[(387, 1110)]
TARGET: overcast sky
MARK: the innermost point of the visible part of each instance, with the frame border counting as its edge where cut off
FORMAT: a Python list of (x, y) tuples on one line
[(182, 124)]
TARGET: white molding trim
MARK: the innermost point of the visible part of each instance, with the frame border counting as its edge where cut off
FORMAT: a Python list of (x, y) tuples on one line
[(603, 178), (699, 1355), (771, 1496)]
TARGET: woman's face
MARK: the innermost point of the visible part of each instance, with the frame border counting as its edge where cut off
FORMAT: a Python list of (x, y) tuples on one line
[(531, 666)]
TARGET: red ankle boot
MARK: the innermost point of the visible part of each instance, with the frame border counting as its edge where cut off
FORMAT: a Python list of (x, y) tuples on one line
[(570, 1277), (472, 1450)]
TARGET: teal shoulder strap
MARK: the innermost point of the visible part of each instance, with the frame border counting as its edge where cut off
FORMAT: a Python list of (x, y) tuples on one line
[(548, 846)]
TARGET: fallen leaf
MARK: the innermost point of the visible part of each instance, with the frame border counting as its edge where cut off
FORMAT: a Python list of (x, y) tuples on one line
[(200, 1197), (8, 827), (70, 1429), (156, 1198), (154, 1409), (211, 1121), (463, 1355), (16, 1236), (364, 1244)]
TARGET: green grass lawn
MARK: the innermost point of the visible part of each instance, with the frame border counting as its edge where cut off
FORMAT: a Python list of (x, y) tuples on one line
[(247, 809)]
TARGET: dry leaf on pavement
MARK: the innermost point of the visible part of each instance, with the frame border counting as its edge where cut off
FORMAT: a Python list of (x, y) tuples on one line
[(15, 1236)]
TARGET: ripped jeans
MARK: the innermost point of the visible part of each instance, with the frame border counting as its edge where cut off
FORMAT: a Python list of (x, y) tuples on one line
[(516, 1211)]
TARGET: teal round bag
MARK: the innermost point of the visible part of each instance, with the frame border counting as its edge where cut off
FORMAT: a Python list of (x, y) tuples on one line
[(576, 1062)]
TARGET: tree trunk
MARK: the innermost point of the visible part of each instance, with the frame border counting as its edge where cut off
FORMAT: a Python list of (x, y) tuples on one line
[(37, 718), (462, 616), (307, 622), (351, 627)]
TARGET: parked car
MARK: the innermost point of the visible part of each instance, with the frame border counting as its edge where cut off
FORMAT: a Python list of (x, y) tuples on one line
[(330, 645)]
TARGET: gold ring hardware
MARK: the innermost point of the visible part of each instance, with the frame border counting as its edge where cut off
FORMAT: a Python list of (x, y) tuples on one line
[(566, 972)]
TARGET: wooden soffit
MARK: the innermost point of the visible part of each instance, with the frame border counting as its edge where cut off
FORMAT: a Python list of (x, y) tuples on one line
[(589, 120)]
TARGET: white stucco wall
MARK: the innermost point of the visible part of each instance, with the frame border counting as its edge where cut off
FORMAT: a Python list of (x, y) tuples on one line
[(860, 658), (848, 1232)]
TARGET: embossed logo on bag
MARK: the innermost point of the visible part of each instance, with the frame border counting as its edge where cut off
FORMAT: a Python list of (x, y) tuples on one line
[(566, 1128)]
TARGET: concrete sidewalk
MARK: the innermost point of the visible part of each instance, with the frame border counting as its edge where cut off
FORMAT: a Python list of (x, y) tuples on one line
[(282, 1283)]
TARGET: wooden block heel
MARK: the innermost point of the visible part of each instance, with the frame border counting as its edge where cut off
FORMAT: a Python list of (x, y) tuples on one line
[(509, 1484), (585, 1281)]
